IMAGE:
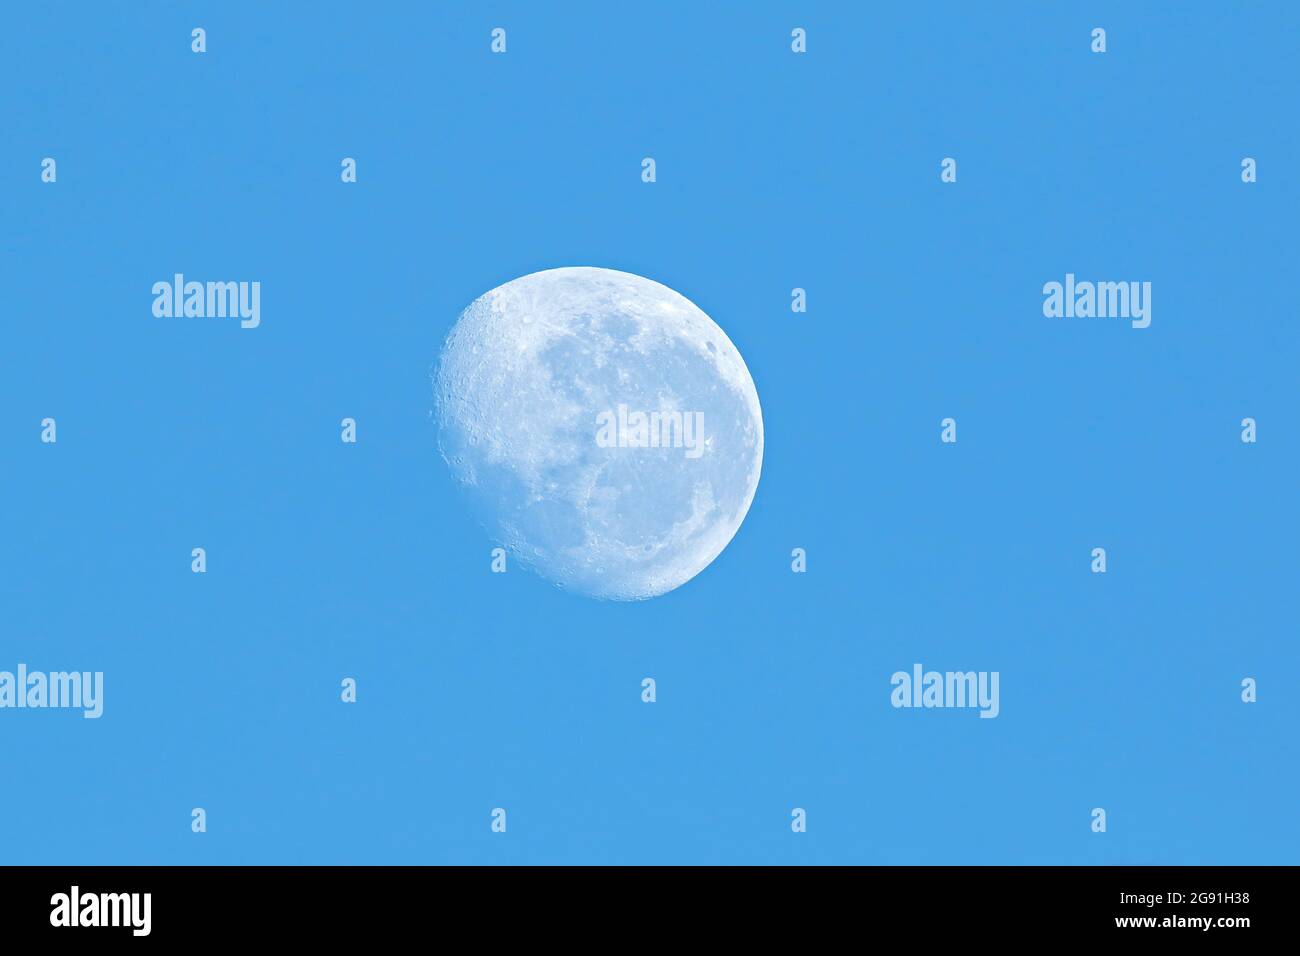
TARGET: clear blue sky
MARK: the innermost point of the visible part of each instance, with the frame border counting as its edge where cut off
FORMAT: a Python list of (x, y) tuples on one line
[(775, 170)]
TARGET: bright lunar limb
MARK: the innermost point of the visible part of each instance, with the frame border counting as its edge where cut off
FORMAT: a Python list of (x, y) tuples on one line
[(606, 428)]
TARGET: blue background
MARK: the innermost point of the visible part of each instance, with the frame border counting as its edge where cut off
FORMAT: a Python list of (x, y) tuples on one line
[(775, 170)]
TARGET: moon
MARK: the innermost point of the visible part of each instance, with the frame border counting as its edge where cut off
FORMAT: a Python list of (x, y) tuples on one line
[(605, 429)]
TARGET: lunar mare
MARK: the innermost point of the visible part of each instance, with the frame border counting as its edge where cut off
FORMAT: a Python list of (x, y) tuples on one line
[(528, 378)]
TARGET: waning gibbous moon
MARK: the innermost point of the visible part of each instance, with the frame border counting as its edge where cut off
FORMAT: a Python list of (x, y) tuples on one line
[(605, 428)]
